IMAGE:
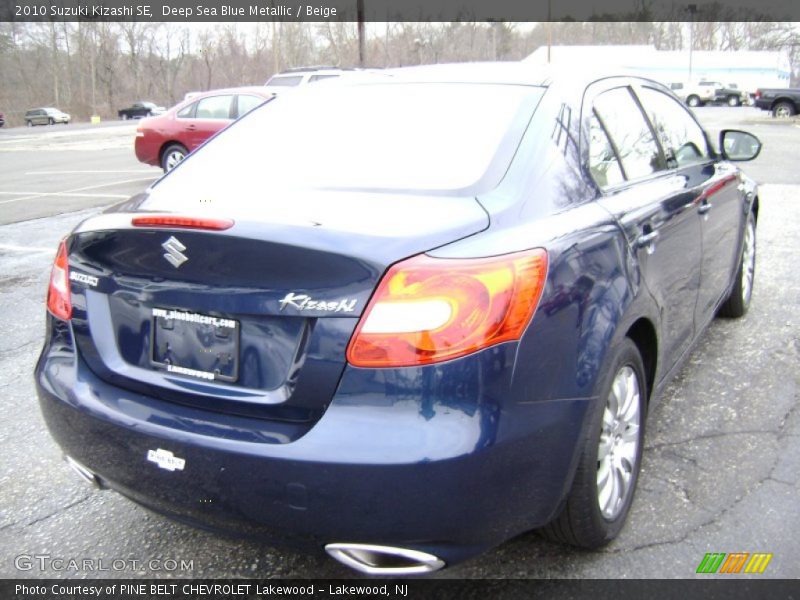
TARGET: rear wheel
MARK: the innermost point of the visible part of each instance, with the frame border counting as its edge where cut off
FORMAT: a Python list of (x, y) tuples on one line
[(783, 110), (693, 101), (29, 123), (124, 116), (51, 121), (605, 480), (172, 156), (738, 302), (734, 101)]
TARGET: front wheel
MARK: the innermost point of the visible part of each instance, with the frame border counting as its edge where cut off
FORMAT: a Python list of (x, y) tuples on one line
[(734, 101), (172, 156), (783, 110), (738, 301), (51, 121), (605, 480), (29, 123), (693, 101), (124, 116)]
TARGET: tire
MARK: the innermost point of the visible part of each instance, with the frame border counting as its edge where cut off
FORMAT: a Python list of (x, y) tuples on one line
[(50, 121), (172, 155), (124, 116), (593, 514), (738, 301), (734, 101), (29, 123), (783, 110), (693, 101)]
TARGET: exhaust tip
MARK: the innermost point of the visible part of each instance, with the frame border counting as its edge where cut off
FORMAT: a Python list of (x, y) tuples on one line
[(84, 473), (384, 560)]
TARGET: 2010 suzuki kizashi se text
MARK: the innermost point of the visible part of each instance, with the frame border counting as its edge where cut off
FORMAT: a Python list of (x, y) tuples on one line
[(402, 316)]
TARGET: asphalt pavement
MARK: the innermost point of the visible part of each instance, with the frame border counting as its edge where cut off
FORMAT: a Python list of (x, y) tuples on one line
[(722, 458)]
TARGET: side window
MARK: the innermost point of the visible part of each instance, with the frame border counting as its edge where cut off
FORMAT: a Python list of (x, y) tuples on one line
[(630, 133), (603, 162), (681, 137), (286, 81), (247, 103), (214, 107), (187, 112), (314, 78)]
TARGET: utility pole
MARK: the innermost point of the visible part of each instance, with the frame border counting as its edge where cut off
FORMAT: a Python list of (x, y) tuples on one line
[(692, 8), (360, 17)]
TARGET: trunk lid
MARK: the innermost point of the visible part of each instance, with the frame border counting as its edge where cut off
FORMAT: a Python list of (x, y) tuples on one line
[(253, 320)]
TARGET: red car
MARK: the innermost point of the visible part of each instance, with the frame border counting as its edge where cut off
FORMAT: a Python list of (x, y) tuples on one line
[(165, 140)]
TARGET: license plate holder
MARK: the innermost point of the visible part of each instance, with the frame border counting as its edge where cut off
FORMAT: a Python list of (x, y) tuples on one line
[(194, 344)]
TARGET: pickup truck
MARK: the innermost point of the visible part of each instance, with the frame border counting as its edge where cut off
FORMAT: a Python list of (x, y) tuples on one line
[(781, 102), (708, 92), (139, 110)]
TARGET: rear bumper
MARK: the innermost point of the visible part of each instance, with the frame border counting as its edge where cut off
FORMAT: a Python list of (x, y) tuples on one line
[(442, 471), (146, 149)]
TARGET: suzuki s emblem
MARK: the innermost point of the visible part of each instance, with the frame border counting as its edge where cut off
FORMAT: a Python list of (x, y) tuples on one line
[(166, 460), (174, 253)]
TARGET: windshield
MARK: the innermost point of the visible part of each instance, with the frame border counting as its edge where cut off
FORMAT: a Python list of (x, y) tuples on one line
[(425, 137)]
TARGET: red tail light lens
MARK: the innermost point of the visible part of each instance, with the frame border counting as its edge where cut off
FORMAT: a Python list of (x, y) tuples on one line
[(184, 222), (58, 298), (428, 310)]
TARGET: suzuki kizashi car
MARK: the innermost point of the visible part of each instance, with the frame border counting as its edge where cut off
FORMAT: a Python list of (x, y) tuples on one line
[(402, 317)]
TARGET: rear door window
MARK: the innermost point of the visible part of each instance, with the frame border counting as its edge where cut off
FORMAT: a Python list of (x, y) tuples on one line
[(187, 112), (603, 162), (214, 107), (630, 133)]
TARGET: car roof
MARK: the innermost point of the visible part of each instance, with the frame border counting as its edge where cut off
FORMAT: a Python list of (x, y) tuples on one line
[(503, 73)]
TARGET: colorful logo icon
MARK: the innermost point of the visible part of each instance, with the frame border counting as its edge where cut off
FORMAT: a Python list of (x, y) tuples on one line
[(734, 563)]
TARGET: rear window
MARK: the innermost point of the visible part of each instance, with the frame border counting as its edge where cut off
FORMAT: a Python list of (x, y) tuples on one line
[(429, 136)]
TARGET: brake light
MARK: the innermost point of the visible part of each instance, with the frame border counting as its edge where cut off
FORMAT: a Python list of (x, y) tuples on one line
[(184, 222), (58, 297), (428, 310)]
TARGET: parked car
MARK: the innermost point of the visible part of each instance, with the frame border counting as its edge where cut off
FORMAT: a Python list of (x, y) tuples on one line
[(709, 92), (140, 109), (405, 317), (781, 102), (302, 76), (165, 140), (46, 116)]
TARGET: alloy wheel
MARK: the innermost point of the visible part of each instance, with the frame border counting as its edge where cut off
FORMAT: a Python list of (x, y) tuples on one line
[(619, 443), (748, 261)]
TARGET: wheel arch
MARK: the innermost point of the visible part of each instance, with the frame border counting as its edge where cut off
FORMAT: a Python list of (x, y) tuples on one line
[(643, 334), (166, 145), (784, 99)]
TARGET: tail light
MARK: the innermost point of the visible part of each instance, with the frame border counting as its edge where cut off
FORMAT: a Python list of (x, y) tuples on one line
[(58, 298), (428, 310)]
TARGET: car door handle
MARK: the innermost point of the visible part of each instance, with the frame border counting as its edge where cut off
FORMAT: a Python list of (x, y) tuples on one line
[(705, 207), (646, 239), (191, 127)]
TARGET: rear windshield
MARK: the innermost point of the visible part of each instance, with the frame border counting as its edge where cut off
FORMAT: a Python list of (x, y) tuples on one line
[(426, 137)]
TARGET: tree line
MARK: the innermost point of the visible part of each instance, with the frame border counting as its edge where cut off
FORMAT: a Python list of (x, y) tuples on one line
[(87, 68)]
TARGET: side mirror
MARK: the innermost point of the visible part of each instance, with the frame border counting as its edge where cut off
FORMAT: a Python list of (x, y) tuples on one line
[(738, 145)]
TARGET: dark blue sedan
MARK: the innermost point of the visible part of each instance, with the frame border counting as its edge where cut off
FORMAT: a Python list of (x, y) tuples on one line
[(402, 317)]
